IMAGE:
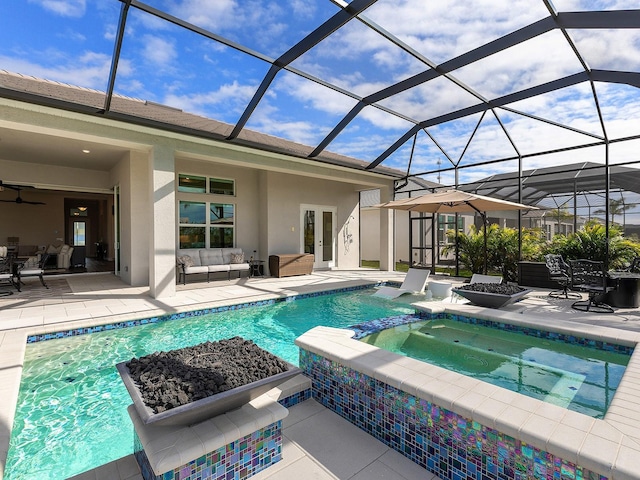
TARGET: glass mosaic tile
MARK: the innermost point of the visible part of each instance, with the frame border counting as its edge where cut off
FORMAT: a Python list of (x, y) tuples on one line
[(443, 442)]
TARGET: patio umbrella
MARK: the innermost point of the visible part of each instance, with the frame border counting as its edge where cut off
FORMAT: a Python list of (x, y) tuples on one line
[(456, 201)]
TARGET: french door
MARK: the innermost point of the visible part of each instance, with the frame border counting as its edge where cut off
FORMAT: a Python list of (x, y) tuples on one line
[(318, 234), (116, 228)]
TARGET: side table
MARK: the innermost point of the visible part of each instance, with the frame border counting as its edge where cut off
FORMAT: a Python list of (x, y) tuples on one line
[(256, 267)]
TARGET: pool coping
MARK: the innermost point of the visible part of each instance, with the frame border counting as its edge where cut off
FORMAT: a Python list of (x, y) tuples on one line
[(610, 446)]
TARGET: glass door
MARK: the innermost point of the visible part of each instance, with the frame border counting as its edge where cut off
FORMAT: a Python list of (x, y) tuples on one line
[(318, 234), (116, 228)]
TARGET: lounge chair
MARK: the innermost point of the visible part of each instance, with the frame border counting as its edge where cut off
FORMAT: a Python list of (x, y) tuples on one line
[(479, 278), (414, 282)]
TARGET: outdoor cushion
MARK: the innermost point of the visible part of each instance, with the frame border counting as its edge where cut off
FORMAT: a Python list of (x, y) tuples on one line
[(196, 269), (53, 249), (185, 260), (237, 258), (227, 252), (211, 256), (218, 268), (235, 267), (194, 253)]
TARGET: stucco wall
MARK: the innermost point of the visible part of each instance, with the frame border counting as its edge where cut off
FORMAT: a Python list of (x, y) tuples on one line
[(132, 175), (285, 195), (248, 207), (370, 231)]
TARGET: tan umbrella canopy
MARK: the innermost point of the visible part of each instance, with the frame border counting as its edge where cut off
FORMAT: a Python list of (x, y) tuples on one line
[(453, 201), (456, 201)]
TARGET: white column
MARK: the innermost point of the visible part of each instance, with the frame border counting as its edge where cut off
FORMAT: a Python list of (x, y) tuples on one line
[(162, 245), (386, 232)]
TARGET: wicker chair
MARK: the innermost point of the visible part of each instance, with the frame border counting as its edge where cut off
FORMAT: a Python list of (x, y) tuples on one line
[(560, 273), (590, 276)]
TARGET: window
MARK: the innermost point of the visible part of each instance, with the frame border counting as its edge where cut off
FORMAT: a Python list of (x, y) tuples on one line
[(221, 221), (193, 219), (192, 184), (79, 234), (196, 225), (199, 184), (220, 186)]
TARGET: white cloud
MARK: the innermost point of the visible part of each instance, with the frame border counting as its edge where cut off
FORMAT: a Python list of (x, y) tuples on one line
[(609, 49), (65, 8), (232, 97), (91, 70), (158, 50), (214, 15)]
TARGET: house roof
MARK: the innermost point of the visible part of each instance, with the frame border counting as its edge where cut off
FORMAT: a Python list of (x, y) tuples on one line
[(60, 95)]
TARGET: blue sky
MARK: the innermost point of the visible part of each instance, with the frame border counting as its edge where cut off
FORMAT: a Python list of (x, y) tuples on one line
[(72, 41)]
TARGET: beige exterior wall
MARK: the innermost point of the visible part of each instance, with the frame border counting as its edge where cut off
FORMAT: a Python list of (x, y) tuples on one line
[(370, 231)]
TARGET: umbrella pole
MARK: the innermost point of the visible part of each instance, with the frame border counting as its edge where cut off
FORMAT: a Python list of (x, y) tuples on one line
[(484, 226)]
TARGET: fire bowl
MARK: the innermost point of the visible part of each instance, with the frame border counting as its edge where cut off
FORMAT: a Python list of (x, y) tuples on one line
[(491, 300), (204, 408)]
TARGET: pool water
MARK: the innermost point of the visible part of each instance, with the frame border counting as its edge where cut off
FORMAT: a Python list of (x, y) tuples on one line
[(576, 377), (71, 414)]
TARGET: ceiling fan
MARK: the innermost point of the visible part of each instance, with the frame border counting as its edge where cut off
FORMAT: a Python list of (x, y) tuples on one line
[(18, 199)]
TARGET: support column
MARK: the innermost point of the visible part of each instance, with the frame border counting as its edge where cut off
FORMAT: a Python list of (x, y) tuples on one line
[(162, 244), (386, 232)]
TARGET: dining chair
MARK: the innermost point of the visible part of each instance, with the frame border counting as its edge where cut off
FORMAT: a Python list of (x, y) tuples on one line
[(591, 277), (26, 270), (560, 272)]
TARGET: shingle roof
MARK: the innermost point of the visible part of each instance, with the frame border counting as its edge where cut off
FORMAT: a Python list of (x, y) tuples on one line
[(133, 110)]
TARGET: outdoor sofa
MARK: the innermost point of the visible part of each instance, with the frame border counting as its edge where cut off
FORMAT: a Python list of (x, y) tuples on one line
[(210, 260)]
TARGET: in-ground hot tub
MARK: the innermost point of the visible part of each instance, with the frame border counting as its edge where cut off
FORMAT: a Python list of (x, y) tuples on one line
[(457, 426)]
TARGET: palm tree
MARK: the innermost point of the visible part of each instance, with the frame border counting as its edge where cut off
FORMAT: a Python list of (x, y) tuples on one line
[(617, 206)]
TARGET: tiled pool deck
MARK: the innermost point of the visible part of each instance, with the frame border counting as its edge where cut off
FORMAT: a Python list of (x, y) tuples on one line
[(317, 443)]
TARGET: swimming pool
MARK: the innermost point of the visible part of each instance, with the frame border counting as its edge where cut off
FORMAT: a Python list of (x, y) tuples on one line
[(71, 414), (576, 377)]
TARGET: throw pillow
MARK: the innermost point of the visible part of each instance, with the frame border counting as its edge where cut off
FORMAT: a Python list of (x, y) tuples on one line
[(185, 260), (237, 258)]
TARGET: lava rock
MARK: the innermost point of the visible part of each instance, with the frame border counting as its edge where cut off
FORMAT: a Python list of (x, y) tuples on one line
[(499, 288), (170, 379)]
